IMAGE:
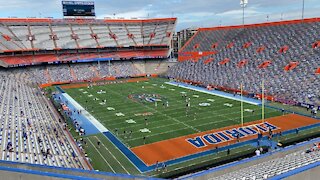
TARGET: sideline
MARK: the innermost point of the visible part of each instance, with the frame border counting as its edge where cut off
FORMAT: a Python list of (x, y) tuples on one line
[(216, 93), (85, 119)]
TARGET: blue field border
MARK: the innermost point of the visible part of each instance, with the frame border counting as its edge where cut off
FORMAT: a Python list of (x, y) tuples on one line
[(226, 166), (44, 172), (292, 112), (60, 89), (82, 120), (216, 93), (141, 177), (127, 152), (142, 167), (49, 174), (301, 128)]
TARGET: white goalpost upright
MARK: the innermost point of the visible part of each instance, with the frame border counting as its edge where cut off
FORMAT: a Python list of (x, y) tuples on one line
[(262, 113), (243, 4), (241, 89)]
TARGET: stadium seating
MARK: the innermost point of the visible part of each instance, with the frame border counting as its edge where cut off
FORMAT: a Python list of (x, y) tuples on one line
[(30, 131), (90, 71), (51, 34), (274, 167), (36, 41), (285, 48), (48, 58)]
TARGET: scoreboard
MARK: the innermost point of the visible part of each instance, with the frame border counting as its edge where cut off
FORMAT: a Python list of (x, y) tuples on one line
[(78, 8)]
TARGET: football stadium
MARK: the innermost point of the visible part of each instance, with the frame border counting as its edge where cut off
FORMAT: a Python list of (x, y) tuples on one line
[(90, 97)]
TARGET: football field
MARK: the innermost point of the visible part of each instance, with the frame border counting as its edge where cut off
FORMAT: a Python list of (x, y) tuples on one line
[(146, 114), (140, 113)]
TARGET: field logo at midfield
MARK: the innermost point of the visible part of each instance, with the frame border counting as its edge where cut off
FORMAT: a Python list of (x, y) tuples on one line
[(149, 98), (231, 134)]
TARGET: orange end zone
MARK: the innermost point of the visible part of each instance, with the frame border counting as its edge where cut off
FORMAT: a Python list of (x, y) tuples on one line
[(179, 147)]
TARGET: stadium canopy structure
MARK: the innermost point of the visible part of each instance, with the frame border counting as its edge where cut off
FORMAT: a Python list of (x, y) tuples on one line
[(43, 40)]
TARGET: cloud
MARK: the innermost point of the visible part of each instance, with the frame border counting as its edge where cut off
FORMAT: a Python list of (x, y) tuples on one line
[(142, 13), (189, 12)]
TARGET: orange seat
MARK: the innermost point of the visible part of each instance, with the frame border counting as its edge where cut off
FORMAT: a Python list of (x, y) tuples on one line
[(264, 64), (242, 63), (208, 60), (225, 61), (291, 66)]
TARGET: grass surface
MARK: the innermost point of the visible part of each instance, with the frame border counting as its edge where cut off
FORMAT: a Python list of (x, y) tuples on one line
[(293, 138), (164, 123), (292, 108), (108, 158)]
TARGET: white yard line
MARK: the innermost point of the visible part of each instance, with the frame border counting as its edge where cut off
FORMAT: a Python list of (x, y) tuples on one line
[(124, 154), (207, 123), (101, 155), (113, 156), (85, 113), (180, 122), (212, 93), (197, 119), (165, 132), (197, 130)]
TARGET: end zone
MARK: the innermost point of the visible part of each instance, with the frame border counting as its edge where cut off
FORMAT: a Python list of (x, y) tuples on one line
[(176, 148)]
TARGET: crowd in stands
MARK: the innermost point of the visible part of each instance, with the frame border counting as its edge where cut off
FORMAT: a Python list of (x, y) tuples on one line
[(88, 71), (31, 131), (239, 56)]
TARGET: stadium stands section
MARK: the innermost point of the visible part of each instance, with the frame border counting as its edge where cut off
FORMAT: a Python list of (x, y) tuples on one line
[(49, 50), (75, 72), (274, 167), (284, 54), (279, 164), (34, 41), (30, 130)]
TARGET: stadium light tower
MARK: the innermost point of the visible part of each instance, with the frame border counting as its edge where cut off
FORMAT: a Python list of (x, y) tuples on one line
[(302, 15), (243, 4)]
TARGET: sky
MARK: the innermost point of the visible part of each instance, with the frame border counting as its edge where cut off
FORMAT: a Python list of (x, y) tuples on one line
[(190, 13)]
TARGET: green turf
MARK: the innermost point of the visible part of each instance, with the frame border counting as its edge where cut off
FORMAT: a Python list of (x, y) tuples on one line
[(293, 138), (109, 158), (297, 109), (212, 159), (166, 122)]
